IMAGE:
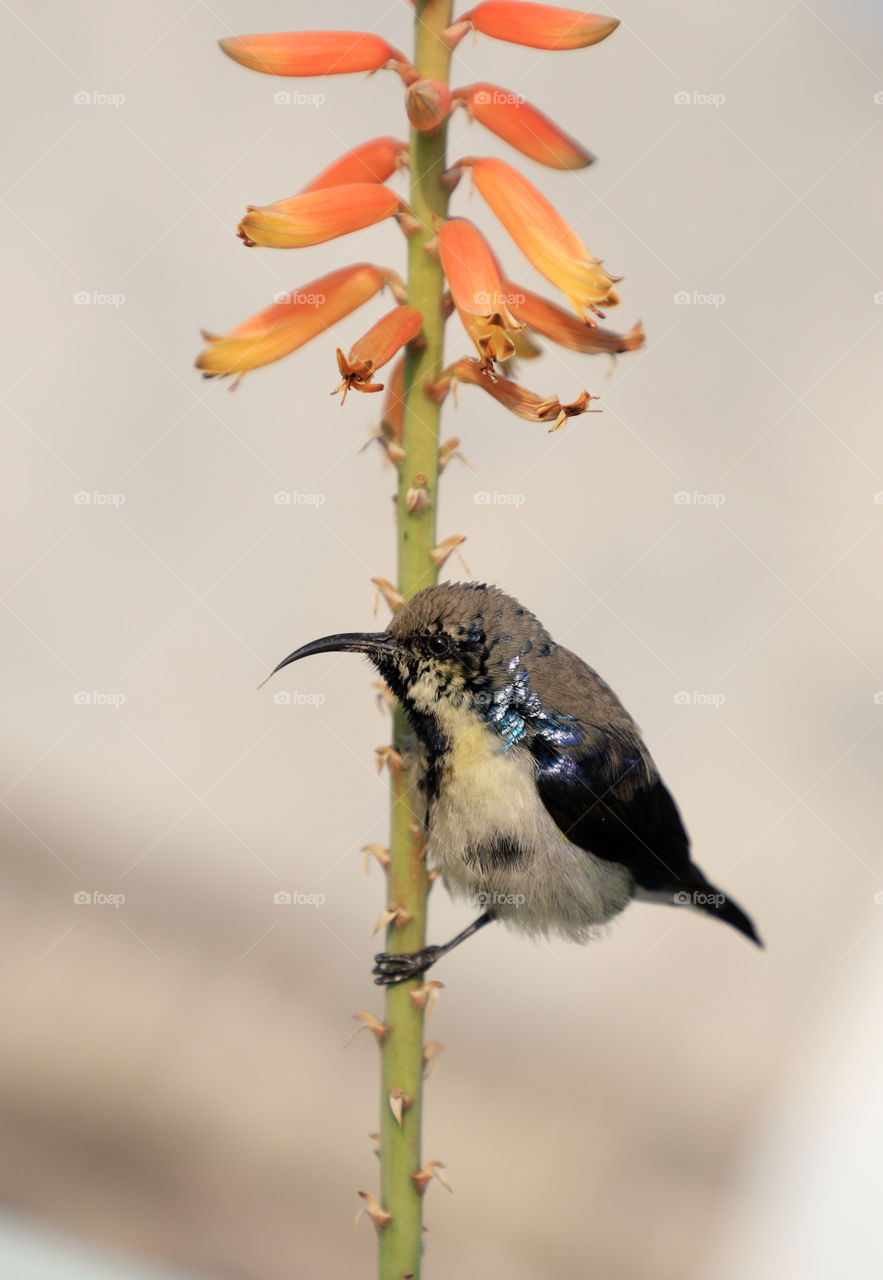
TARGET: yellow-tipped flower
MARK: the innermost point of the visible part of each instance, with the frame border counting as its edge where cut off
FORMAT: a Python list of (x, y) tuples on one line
[(543, 236), (376, 348), (553, 322), (313, 53), (523, 403), (288, 324), (317, 216), (372, 161), (427, 104), (477, 290), (524, 127), (539, 26)]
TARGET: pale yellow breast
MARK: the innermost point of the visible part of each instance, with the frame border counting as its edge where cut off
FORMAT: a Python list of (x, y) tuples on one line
[(485, 788)]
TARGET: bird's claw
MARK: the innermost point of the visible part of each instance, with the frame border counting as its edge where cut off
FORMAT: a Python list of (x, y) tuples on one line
[(391, 967)]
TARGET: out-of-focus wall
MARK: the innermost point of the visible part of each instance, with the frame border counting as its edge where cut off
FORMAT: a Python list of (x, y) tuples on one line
[(172, 1082)]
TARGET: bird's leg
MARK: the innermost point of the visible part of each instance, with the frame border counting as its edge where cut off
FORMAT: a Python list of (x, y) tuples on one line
[(390, 967)]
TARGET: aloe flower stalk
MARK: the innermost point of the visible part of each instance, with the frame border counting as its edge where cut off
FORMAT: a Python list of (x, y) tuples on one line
[(451, 268)]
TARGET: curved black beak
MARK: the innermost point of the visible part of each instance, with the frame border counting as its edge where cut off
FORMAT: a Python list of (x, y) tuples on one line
[(371, 643)]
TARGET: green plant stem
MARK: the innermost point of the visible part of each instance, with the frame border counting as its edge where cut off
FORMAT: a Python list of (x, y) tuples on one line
[(400, 1242)]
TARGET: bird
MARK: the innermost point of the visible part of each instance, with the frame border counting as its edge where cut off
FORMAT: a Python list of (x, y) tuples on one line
[(543, 803)]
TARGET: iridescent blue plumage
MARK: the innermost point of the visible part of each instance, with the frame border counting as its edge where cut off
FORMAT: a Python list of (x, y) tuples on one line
[(515, 709)]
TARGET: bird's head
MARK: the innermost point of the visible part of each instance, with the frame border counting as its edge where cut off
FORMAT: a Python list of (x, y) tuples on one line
[(454, 651)]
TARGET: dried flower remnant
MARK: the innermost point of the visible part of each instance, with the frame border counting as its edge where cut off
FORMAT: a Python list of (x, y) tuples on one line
[(375, 349)]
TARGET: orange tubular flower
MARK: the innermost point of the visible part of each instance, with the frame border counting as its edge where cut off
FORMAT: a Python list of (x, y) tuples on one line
[(288, 324), (318, 215), (543, 236), (477, 290), (427, 104), (524, 127), (373, 161), (313, 53), (553, 322), (539, 26), (376, 348)]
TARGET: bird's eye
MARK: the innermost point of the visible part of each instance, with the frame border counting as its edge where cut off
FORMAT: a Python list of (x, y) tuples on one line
[(439, 644)]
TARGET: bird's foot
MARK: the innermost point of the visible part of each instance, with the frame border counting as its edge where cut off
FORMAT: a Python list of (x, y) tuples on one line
[(390, 967)]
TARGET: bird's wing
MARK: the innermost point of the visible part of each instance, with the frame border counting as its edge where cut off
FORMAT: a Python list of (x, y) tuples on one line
[(606, 796)]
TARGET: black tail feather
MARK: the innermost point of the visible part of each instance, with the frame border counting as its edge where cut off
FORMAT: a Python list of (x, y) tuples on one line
[(714, 903)]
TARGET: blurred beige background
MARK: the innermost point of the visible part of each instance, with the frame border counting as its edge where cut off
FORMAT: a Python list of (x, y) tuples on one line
[(172, 1084)]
